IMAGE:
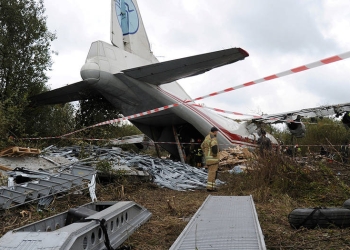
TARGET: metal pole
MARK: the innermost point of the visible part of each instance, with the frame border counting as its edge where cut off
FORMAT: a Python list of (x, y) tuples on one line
[(155, 144)]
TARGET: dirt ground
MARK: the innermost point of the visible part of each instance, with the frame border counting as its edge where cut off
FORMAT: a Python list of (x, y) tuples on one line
[(167, 222)]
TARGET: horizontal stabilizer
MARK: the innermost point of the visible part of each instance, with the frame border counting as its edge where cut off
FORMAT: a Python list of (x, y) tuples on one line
[(165, 72), (73, 92)]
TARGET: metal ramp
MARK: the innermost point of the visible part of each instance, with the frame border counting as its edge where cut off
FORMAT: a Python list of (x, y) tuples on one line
[(51, 184), (92, 226), (223, 222)]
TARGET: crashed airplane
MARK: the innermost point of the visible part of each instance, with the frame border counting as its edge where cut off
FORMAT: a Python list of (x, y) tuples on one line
[(129, 76)]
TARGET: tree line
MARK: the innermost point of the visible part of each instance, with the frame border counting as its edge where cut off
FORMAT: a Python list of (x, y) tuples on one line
[(25, 59)]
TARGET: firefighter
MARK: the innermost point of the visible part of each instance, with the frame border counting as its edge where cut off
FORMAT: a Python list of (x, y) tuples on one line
[(190, 152), (198, 154), (297, 150), (264, 144), (210, 150)]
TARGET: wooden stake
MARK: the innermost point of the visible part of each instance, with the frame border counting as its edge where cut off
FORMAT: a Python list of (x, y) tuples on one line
[(169, 205), (122, 192)]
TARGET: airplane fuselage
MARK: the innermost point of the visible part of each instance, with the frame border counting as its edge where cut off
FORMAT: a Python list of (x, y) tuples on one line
[(132, 96)]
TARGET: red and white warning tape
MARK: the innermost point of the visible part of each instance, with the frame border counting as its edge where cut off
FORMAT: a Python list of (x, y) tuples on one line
[(279, 75), (181, 143), (242, 114), (152, 111), (226, 111), (66, 138)]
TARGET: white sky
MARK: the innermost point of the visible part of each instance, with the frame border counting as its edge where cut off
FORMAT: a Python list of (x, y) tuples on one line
[(278, 35)]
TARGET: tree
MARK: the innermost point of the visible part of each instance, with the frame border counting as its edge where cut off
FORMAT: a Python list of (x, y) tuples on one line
[(25, 57), (93, 110)]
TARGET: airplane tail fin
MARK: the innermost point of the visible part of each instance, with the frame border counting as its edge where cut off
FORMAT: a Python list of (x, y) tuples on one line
[(127, 29)]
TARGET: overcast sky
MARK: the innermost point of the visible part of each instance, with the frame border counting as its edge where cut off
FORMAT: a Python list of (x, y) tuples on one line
[(278, 35)]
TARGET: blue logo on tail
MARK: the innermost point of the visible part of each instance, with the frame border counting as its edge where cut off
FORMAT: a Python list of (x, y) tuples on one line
[(127, 16)]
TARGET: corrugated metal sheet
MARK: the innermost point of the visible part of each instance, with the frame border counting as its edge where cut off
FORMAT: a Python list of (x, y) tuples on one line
[(46, 185), (164, 172), (223, 222)]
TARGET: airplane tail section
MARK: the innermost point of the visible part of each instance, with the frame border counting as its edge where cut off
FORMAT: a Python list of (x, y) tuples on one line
[(127, 29)]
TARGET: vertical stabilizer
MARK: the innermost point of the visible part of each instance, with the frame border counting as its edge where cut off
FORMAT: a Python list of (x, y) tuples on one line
[(127, 29)]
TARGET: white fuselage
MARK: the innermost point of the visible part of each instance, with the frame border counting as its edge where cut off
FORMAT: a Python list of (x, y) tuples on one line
[(105, 60)]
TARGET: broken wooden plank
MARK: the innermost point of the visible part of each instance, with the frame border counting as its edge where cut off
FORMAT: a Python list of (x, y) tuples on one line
[(19, 151), (4, 168)]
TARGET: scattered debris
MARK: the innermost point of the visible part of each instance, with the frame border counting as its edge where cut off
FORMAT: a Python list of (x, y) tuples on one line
[(132, 139), (44, 186), (164, 172), (237, 169), (45, 203), (25, 213), (233, 156), (41, 184), (171, 206), (19, 151), (4, 168), (3, 180)]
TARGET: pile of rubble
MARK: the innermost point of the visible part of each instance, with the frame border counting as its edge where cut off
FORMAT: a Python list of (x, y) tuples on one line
[(60, 170), (233, 156), (164, 172)]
